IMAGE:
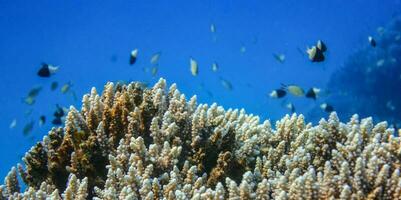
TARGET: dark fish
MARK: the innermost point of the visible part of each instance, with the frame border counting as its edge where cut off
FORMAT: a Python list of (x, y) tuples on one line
[(321, 46), (46, 70), (133, 56), (42, 120), (57, 121), (315, 54), (291, 107), (279, 57), (59, 112), (278, 93), (28, 128), (312, 93), (372, 41), (54, 85), (327, 108)]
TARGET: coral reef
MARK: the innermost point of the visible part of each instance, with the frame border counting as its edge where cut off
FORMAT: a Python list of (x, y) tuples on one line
[(369, 81), (138, 143)]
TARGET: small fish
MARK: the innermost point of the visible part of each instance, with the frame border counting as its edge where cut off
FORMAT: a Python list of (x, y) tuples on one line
[(295, 90), (47, 70), (321, 46), (66, 87), (133, 56), (59, 111), (372, 41), (29, 100), (34, 91), (215, 67), (380, 30), (212, 28), (315, 54), (54, 85), (154, 71), (42, 120), (154, 60), (28, 128), (226, 84), (397, 37), (390, 105), (243, 49), (312, 93), (278, 93), (13, 124), (193, 67), (279, 57), (57, 121), (380, 62), (28, 112), (74, 96), (113, 58), (300, 51), (326, 107), (291, 107)]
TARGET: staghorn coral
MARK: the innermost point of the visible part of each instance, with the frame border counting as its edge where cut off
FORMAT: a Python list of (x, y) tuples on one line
[(138, 143)]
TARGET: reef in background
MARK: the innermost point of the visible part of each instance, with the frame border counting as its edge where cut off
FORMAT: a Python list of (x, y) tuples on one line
[(138, 143), (369, 83)]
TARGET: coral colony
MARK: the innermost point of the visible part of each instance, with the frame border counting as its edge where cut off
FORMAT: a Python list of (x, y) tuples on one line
[(151, 143)]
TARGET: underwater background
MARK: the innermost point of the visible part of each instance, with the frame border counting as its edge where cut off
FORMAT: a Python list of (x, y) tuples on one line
[(91, 42)]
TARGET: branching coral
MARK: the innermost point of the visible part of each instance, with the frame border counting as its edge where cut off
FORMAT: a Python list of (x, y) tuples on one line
[(138, 143)]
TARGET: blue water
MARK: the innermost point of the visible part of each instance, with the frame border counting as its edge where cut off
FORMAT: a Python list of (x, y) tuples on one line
[(91, 42)]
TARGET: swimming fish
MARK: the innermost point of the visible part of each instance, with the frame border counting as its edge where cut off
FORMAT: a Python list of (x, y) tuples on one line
[(380, 62), (42, 120), (66, 87), (54, 85), (321, 46), (13, 124), (57, 121), (193, 67), (154, 71), (58, 114), (312, 93), (315, 54), (29, 100), (32, 94), (372, 41), (212, 28), (133, 56), (326, 107), (390, 105), (59, 111), (226, 84), (34, 91), (215, 67), (243, 49), (47, 70), (380, 30), (28, 128), (154, 60), (278, 93), (291, 107), (294, 90), (279, 57)]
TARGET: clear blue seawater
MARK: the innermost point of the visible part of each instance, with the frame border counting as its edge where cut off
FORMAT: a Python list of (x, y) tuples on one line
[(91, 42)]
